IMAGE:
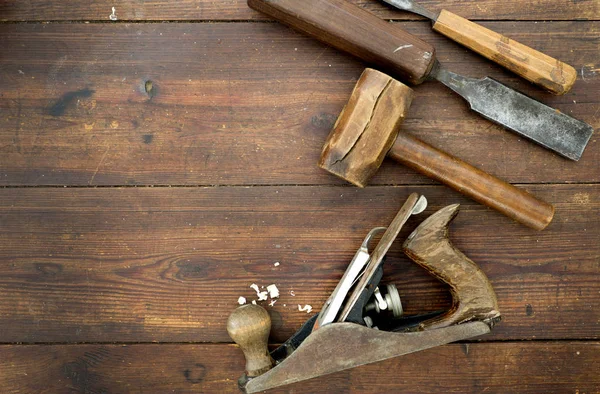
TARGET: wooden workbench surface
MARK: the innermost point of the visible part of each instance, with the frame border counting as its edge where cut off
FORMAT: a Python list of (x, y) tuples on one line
[(153, 167)]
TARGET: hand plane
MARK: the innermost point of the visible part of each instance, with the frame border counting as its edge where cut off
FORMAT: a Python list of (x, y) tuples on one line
[(352, 328)]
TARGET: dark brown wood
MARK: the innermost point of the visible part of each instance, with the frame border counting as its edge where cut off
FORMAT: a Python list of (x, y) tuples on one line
[(261, 118), (249, 104), (168, 264), (351, 29), (249, 326), (515, 367), (210, 10)]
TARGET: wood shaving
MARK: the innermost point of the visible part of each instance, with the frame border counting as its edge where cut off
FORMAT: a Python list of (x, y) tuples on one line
[(262, 296), (305, 308), (273, 291)]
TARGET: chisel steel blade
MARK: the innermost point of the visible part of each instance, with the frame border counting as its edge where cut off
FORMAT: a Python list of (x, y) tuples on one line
[(525, 116)]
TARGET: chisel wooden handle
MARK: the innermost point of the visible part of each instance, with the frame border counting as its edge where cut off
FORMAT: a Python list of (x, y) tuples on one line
[(471, 181), (552, 74), (352, 29)]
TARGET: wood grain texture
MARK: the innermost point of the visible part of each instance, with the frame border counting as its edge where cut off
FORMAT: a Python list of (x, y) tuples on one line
[(154, 104), (168, 264), (250, 104), (521, 367), (539, 68), (158, 10), (353, 30)]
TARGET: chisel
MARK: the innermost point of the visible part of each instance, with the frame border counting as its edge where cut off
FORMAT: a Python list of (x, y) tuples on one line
[(551, 74), (362, 34)]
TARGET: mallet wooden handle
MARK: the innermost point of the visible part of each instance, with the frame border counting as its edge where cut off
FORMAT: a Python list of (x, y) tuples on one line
[(471, 181), (345, 26), (552, 74)]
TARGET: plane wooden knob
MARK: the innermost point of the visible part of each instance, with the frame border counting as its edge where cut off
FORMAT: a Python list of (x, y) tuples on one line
[(249, 327)]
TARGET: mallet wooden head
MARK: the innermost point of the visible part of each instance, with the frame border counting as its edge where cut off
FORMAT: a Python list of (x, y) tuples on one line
[(367, 127)]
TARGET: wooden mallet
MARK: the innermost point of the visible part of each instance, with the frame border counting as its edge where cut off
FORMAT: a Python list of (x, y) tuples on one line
[(367, 131)]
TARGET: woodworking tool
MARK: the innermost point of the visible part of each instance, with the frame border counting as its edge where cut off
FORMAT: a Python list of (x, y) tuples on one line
[(390, 302), (354, 30), (368, 130), (413, 206), (342, 344), (334, 303), (551, 74)]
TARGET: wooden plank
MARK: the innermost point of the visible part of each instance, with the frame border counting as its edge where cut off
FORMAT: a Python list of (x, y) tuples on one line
[(246, 103), (136, 10), (168, 264), (529, 367)]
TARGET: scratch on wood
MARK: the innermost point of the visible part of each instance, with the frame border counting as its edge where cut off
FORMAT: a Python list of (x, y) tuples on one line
[(319, 56), (596, 113), (17, 138), (99, 164), (401, 47)]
